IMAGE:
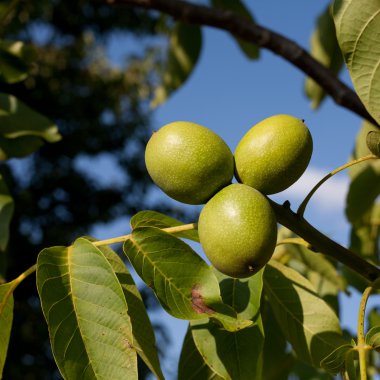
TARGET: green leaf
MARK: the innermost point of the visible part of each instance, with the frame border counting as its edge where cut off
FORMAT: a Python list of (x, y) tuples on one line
[(6, 319), (250, 50), (6, 212), (336, 361), (149, 218), (86, 312), (142, 330), (373, 338), (13, 61), (234, 355), (22, 130), (184, 49), (308, 323), (373, 142), (183, 283), (191, 363), (324, 47), (357, 25)]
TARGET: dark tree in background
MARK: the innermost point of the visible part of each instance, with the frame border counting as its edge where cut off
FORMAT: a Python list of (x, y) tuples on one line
[(102, 112)]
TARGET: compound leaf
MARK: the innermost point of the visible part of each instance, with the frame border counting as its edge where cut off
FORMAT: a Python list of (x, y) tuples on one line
[(373, 338), (337, 361), (183, 283), (358, 28), (234, 355), (149, 218), (86, 312), (307, 322)]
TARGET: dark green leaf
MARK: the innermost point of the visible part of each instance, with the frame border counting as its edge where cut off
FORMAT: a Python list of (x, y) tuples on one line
[(357, 26), (249, 49), (155, 219), (13, 57), (336, 361), (6, 319), (142, 330), (323, 47), (184, 284), (184, 49), (373, 338), (6, 212), (234, 355), (308, 323), (22, 130), (86, 312), (191, 364)]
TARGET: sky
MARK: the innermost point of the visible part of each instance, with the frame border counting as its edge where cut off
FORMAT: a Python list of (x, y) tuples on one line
[(229, 94)]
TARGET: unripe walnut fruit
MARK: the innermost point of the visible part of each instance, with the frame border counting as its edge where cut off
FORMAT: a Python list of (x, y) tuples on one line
[(273, 154), (189, 162), (238, 230)]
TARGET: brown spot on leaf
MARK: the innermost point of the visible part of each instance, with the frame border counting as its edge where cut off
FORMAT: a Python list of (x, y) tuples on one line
[(197, 302)]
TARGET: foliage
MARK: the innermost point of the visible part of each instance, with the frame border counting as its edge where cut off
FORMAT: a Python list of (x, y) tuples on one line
[(63, 103)]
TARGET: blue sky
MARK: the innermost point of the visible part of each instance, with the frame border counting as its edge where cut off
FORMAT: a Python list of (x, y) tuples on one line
[(229, 94)]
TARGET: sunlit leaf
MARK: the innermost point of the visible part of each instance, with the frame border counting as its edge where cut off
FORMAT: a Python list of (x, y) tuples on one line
[(336, 361), (142, 330), (358, 28), (324, 48), (184, 284), (184, 49), (308, 323), (155, 219), (6, 212), (14, 57), (86, 312), (234, 355), (6, 319), (373, 338), (250, 50), (192, 366)]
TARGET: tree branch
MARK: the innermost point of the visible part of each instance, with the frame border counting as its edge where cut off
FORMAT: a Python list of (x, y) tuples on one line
[(322, 243), (244, 29)]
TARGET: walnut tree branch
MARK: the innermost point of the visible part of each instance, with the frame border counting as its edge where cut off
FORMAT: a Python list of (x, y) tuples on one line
[(244, 29)]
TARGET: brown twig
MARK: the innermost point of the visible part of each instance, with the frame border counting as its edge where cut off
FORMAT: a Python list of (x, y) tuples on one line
[(246, 30)]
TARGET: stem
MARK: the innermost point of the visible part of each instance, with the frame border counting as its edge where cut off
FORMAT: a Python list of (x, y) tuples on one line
[(25, 274), (321, 243), (302, 207), (297, 241), (169, 230), (361, 346), (241, 27)]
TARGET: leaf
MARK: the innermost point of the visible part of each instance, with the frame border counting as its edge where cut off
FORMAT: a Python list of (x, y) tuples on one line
[(336, 361), (183, 283), (13, 61), (6, 319), (250, 50), (373, 338), (142, 330), (184, 49), (191, 363), (234, 355), (324, 47), (6, 212), (307, 322), (155, 219), (373, 142), (86, 312), (357, 25)]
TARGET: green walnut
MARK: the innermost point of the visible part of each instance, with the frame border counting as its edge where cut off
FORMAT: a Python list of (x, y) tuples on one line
[(238, 230), (189, 162), (273, 154)]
